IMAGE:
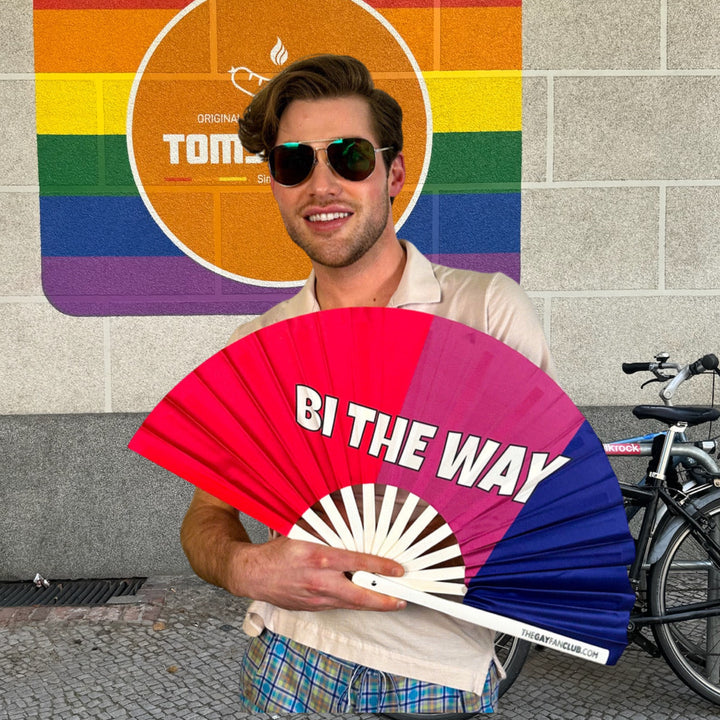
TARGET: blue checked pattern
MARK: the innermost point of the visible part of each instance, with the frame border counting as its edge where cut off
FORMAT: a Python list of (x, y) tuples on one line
[(280, 675)]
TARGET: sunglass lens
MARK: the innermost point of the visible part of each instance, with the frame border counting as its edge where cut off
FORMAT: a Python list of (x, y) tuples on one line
[(291, 163), (353, 158)]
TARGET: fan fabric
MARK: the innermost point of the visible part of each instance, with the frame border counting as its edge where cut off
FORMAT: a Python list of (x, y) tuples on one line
[(374, 396)]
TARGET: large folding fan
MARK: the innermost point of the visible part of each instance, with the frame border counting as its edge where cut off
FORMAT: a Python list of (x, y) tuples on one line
[(417, 438)]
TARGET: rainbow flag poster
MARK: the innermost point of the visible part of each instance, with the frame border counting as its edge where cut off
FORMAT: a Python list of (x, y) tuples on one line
[(149, 205)]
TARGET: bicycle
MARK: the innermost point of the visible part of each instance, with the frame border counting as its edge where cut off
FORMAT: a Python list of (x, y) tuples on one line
[(676, 572)]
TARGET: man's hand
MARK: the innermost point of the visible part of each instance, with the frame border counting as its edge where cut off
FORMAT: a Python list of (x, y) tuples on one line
[(291, 574), (300, 575)]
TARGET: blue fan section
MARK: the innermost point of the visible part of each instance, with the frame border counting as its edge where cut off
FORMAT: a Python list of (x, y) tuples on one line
[(539, 574)]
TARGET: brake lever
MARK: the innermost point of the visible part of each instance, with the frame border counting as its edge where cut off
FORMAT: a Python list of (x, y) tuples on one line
[(653, 380)]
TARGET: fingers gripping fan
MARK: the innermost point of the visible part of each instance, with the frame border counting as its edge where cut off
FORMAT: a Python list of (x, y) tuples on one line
[(405, 435)]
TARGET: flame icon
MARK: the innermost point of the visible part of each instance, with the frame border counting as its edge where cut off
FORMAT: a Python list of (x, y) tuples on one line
[(279, 53)]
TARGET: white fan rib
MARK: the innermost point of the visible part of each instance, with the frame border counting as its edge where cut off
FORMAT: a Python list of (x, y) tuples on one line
[(384, 518), (399, 524), (369, 523), (297, 533), (433, 558), (321, 528), (337, 523), (455, 572), (411, 534), (393, 537), (354, 518), (427, 543)]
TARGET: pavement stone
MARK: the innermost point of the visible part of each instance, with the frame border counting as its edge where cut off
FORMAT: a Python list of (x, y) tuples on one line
[(173, 653)]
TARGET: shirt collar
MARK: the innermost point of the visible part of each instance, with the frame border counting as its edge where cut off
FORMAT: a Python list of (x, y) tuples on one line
[(418, 284)]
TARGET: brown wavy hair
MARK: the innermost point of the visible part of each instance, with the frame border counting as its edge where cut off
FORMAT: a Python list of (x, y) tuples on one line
[(316, 78)]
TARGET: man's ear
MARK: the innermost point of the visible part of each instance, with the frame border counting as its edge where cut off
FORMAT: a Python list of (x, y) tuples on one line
[(396, 176)]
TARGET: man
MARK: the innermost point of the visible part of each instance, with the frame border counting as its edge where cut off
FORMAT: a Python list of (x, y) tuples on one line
[(334, 145)]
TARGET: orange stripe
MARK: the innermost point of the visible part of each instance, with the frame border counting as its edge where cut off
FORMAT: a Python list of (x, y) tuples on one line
[(437, 38), (417, 28), (107, 41), (456, 38), (481, 38)]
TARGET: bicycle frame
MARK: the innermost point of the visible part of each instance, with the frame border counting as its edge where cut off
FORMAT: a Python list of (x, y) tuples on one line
[(641, 446), (664, 512), (654, 536)]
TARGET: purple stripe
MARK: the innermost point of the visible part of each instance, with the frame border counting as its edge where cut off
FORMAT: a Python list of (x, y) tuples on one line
[(149, 286), (179, 286), (507, 263)]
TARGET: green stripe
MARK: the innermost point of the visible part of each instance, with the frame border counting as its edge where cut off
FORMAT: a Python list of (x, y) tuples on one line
[(460, 163), (84, 165), (475, 162)]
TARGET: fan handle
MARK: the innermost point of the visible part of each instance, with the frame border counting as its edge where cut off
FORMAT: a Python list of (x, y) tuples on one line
[(571, 646)]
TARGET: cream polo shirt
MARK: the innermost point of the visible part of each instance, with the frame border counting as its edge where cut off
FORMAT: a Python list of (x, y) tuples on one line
[(414, 642)]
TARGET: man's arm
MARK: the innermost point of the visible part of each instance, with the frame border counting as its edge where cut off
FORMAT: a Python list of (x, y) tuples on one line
[(288, 573)]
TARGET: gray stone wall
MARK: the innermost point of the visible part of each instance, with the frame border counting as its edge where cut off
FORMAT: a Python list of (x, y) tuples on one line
[(77, 503), (621, 168), (621, 164)]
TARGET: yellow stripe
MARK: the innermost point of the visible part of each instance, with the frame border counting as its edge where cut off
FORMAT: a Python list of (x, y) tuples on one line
[(82, 104), (116, 94), (475, 101), (461, 101)]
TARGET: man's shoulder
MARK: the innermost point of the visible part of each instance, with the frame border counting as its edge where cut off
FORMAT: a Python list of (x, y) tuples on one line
[(277, 313), (473, 282)]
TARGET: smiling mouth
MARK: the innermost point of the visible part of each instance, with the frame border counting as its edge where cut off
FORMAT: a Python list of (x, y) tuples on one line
[(327, 217)]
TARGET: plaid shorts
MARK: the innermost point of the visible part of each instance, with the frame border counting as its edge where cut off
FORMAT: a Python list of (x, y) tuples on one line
[(280, 675)]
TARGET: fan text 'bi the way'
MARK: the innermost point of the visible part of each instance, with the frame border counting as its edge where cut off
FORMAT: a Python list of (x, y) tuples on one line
[(470, 462)]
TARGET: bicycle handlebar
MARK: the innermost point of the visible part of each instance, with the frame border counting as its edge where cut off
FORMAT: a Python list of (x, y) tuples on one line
[(707, 362), (630, 368)]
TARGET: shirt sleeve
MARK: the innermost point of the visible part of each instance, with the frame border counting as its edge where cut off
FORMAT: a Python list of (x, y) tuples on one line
[(513, 319)]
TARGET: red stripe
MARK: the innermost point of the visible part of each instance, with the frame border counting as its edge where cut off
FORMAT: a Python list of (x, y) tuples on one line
[(179, 4), (379, 4), (109, 4)]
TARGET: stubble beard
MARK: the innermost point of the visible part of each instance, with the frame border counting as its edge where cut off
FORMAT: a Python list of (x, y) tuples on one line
[(337, 250)]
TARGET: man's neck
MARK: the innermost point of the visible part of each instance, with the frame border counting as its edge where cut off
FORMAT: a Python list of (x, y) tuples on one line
[(371, 281)]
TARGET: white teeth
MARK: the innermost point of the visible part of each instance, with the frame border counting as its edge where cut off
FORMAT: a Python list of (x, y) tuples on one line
[(326, 217)]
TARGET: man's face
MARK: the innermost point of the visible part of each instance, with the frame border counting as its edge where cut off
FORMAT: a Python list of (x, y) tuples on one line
[(336, 221)]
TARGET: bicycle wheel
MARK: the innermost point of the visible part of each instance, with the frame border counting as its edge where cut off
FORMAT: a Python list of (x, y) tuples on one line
[(683, 576), (512, 653)]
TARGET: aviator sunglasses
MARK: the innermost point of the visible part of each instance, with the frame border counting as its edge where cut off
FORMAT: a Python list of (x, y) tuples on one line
[(351, 158)]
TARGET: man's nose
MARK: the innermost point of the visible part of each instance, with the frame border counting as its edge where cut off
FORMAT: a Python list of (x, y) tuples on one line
[(323, 178)]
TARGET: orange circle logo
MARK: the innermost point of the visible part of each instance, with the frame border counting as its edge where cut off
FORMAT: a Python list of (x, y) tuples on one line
[(209, 196)]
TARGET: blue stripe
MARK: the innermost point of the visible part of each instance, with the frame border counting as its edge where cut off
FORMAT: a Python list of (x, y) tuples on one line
[(467, 223), (100, 227), (91, 226)]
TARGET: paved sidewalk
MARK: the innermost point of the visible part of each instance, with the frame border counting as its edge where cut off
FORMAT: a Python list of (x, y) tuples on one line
[(172, 652)]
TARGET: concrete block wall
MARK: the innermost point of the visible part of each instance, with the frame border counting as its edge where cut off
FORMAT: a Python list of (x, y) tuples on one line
[(621, 191), (621, 168)]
